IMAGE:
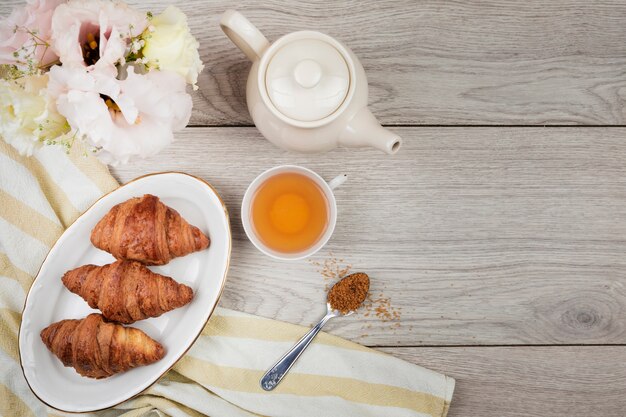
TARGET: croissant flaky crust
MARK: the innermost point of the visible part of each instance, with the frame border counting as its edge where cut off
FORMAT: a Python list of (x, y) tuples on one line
[(146, 230), (126, 291), (98, 349)]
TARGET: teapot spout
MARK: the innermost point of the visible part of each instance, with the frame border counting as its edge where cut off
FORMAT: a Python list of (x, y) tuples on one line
[(364, 130)]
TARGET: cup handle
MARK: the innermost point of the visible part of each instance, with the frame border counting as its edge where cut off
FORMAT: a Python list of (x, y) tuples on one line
[(337, 181), (244, 34)]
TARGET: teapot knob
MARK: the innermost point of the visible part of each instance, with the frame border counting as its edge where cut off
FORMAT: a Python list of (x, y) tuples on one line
[(307, 73)]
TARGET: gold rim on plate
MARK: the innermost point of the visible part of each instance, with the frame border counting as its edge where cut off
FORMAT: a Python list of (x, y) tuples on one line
[(219, 295)]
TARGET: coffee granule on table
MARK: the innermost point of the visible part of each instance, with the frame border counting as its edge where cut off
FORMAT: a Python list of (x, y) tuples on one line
[(349, 293), (382, 308), (331, 269)]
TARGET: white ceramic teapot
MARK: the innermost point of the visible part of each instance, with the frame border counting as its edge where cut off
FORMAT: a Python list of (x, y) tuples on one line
[(307, 92)]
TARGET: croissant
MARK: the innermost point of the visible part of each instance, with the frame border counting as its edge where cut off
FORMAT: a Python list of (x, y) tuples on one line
[(98, 349), (126, 291), (146, 230)]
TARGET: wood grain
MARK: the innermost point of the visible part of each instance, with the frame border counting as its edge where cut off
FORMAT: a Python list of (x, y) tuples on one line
[(530, 381), (437, 62), (481, 235)]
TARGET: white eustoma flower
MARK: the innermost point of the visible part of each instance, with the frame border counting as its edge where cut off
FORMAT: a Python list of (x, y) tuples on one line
[(122, 119), (94, 33), (28, 115), (169, 45)]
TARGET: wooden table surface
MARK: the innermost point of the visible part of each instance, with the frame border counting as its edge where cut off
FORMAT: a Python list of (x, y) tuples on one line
[(498, 231)]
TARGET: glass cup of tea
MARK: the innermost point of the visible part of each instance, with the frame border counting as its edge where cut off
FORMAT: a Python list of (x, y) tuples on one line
[(289, 212)]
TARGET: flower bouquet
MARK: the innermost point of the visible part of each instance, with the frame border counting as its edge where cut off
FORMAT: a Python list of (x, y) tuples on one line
[(96, 72)]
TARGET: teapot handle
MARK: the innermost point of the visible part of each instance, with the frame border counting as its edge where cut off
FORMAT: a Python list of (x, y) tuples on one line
[(244, 34)]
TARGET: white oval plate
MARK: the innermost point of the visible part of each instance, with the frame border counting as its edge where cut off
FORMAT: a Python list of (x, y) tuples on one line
[(49, 301)]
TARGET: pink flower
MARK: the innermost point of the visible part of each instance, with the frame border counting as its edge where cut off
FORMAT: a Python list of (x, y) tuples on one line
[(122, 119), (35, 17), (94, 33)]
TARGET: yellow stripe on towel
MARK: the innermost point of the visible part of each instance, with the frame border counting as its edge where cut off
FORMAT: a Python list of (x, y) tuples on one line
[(9, 270), (9, 326), (138, 412), (12, 405), (97, 173), (163, 404), (59, 201), (265, 329), (28, 220)]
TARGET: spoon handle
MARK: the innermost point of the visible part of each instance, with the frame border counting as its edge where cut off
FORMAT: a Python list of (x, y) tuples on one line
[(276, 373)]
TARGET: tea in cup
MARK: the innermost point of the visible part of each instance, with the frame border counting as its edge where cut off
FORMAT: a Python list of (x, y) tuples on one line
[(289, 212)]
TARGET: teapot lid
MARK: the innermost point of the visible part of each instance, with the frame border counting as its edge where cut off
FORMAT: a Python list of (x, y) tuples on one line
[(307, 79)]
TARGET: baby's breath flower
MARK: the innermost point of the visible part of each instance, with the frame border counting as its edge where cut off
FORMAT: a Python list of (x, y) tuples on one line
[(10, 72)]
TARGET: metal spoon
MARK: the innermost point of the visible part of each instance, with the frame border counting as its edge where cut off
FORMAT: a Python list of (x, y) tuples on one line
[(276, 373)]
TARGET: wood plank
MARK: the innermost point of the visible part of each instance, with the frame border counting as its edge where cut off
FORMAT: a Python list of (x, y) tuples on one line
[(530, 381), (433, 62), (480, 235)]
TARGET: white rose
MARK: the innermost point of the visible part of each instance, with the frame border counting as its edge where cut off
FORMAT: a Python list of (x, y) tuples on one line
[(169, 45), (28, 116)]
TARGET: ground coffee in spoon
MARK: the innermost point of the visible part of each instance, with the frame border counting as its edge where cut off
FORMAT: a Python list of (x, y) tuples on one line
[(349, 293)]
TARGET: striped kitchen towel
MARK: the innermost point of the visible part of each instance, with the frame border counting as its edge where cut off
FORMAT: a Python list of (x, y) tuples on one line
[(41, 195)]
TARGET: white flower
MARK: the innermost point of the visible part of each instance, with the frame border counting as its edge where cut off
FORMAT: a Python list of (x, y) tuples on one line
[(94, 33), (122, 119), (169, 45), (28, 116)]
